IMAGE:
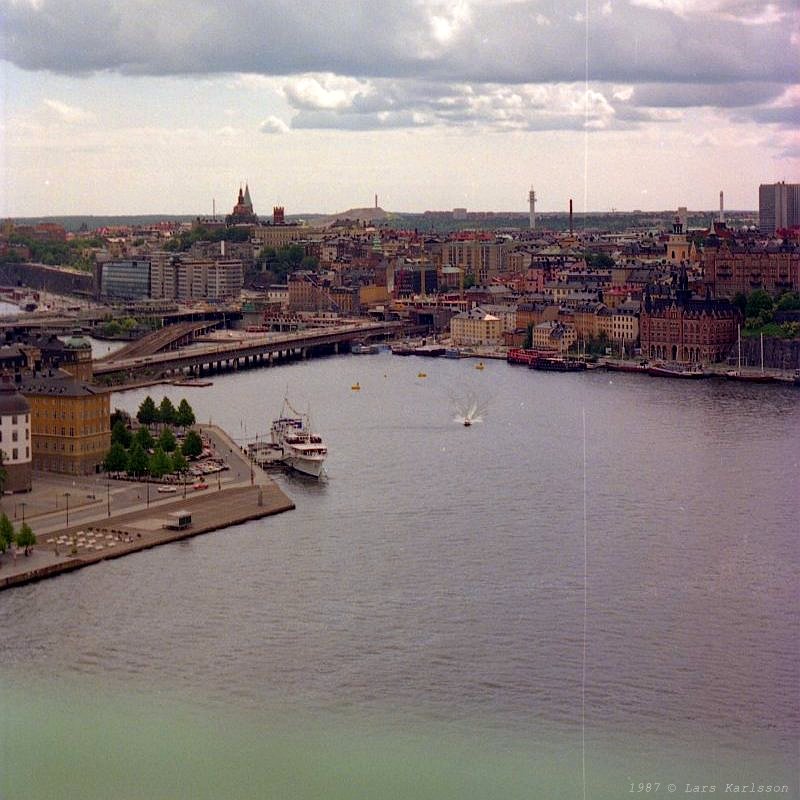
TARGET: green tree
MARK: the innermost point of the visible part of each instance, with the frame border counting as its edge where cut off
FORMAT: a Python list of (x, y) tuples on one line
[(528, 338), (740, 301), (144, 438), (192, 445), (184, 416), (7, 536), (179, 462), (166, 440), (116, 459), (789, 302), (166, 412), (147, 413), (138, 461), (160, 463), (758, 302), (26, 538), (121, 435)]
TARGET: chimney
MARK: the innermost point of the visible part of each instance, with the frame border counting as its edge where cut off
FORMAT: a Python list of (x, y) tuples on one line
[(721, 209), (570, 216)]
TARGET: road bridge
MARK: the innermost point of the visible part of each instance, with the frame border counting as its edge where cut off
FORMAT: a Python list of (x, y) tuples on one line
[(252, 352), (169, 338)]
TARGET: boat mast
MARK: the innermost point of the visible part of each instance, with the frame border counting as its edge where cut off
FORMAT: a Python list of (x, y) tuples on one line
[(739, 341), (762, 353)]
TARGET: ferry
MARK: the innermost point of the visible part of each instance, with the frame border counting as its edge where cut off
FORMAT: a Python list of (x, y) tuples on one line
[(302, 449)]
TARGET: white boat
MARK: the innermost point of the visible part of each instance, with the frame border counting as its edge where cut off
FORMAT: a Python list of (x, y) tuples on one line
[(302, 449)]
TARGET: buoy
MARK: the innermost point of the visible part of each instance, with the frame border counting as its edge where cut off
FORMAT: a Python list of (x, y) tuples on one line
[(356, 387), (421, 375), (479, 365)]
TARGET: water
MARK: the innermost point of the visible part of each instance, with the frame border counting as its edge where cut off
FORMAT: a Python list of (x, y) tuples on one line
[(415, 627)]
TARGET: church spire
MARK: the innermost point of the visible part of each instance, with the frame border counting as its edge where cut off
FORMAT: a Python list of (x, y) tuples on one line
[(247, 201)]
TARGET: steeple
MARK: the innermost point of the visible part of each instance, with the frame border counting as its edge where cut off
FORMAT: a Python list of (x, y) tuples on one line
[(247, 201)]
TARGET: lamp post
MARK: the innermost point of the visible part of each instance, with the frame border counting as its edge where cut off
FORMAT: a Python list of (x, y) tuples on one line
[(147, 484), (66, 497), (23, 504), (108, 494)]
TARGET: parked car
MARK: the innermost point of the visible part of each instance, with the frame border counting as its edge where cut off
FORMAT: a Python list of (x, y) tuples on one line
[(200, 485), (167, 489)]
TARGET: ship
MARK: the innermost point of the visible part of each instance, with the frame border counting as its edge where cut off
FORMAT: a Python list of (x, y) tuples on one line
[(302, 450), (686, 371), (558, 364)]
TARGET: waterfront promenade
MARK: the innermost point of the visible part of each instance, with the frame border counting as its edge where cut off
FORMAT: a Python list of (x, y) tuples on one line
[(137, 522)]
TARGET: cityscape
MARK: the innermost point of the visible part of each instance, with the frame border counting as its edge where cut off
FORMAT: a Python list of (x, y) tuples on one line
[(541, 542)]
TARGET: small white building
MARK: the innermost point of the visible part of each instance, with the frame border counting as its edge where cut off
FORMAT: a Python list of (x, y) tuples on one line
[(15, 437)]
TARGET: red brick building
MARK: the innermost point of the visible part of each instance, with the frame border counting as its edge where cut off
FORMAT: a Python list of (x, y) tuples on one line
[(730, 268), (687, 330)]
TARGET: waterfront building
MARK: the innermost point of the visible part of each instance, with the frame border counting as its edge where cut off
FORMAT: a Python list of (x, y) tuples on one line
[(554, 336), (70, 424), (125, 280), (687, 330), (476, 327), (730, 268), (778, 207), (15, 437)]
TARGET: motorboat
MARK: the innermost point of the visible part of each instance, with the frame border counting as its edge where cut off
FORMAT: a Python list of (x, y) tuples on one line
[(302, 449)]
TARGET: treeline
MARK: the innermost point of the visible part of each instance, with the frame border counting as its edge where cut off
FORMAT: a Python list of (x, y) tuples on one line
[(75, 253), (759, 309)]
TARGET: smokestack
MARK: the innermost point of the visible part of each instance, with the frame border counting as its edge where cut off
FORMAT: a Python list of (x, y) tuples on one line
[(721, 209), (570, 216), (532, 205), (376, 201)]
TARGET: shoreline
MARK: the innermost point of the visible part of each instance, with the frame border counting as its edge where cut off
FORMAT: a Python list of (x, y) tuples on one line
[(143, 530)]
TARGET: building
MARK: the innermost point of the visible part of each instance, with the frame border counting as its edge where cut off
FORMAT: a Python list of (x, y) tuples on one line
[(730, 268), (242, 213), (476, 327), (554, 336), (15, 437), (70, 424), (125, 280), (688, 330), (778, 207)]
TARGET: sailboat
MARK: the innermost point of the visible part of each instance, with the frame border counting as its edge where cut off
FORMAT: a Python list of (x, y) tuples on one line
[(749, 377)]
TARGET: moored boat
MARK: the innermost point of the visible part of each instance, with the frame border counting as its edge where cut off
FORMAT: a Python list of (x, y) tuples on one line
[(685, 371), (558, 364), (301, 449)]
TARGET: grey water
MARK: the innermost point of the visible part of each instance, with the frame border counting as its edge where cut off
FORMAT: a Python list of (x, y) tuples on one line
[(415, 628)]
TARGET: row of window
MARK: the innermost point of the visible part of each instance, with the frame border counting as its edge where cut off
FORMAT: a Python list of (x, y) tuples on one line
[(15, 453), (15, 434)]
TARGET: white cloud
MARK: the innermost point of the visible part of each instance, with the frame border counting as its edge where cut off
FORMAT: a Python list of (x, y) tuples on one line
[(324, 92), (273, 124)]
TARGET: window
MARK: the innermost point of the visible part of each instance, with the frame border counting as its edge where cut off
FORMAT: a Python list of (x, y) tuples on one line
[(27, 452), (14, 436), (14, 454), (13, 419)]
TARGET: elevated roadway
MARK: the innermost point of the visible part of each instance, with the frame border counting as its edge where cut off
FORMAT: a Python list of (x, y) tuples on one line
[(169, 338), (250, 352)]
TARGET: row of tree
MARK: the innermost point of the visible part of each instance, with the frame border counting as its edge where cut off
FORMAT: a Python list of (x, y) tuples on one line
[(24, 537), (759, 309), (165, 413)]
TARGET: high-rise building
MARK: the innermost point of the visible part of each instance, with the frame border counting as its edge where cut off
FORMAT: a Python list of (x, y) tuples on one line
[(778, 206)]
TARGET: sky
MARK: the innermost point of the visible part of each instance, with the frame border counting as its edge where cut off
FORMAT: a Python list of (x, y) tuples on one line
[(136, 106)]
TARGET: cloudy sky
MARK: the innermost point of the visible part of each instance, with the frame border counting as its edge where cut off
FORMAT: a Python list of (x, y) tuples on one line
[(135, 106)]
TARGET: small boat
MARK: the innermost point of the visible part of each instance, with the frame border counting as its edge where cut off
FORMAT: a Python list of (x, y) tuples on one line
[(360, 349), (452, 352), (479, 365), (623, 366), (685, 371), (749, 377), (421, 375), (467, 423), (356, 387), (197, 383)]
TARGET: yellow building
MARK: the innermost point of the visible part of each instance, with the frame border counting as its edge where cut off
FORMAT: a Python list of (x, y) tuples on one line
[(476, 327), (277, 236), (554, 336), (70, 424)]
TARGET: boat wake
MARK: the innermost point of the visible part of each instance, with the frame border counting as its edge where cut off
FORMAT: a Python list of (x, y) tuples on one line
[(469, 409)]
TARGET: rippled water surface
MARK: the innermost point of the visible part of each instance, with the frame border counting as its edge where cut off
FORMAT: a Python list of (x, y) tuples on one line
[(415, 627)]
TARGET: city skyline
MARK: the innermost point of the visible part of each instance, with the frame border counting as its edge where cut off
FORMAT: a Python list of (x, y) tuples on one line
[(645, 104)]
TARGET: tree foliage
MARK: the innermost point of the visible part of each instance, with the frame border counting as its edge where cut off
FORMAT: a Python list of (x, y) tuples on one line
[(166, 440), (179, 462), (121, 435), (192, 445), (144, 438), (789, 302), (166, 411), (138, 462), (147, 413), (758, 302), (7, 536), (160, 463), (116, 459), (184, 415), (26, 538)]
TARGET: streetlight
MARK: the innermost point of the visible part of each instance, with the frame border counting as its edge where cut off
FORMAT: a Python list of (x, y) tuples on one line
[(108, 494), (23, 504), (66, 496), (147, 484)]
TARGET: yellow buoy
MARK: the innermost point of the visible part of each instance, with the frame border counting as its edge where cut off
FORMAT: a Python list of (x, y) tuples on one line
[(479, 365), (421, 375), (356, 387)]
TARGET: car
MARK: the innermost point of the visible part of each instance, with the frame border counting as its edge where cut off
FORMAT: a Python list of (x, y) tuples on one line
[(200, 485), (167, 489)]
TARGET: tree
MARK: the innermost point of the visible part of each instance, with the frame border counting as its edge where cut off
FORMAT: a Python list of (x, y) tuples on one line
[(144, 438), (528, 337), (160, 463), (192, 445), (116, 459), (138, 462), (184, 416), (166, 411), (147, 413), (789, 302), (758, 302), (740, 301), (179, 462), (121, 435), (6, 532), (166, 440), (26, 538)]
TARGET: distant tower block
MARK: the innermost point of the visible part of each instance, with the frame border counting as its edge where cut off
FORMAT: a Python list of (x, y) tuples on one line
[(721, 210), (532, 204)]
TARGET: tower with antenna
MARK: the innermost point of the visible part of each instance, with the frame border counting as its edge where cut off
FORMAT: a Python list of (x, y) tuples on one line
[(532, 204), (721, 209)]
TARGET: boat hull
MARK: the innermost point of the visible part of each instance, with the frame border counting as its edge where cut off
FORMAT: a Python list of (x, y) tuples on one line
[(307, 466)]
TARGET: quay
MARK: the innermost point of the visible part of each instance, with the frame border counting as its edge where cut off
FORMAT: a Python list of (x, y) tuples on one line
[(137, 523)]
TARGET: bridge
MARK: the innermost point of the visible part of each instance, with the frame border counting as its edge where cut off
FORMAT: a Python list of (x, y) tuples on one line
[(169, 338), (200, 359)]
